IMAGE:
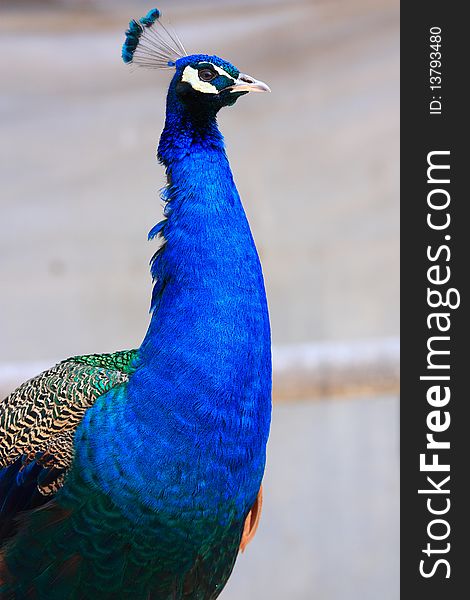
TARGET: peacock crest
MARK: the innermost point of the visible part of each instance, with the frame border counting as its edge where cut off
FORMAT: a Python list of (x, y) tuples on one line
[(151, 43)]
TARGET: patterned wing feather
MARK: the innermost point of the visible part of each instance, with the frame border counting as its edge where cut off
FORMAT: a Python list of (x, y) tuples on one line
[(38, 422)]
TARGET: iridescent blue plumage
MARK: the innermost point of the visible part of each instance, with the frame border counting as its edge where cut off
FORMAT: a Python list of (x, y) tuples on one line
[(168, 462)]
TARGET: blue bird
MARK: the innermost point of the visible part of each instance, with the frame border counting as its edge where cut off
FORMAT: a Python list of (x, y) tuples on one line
[(137, 475)]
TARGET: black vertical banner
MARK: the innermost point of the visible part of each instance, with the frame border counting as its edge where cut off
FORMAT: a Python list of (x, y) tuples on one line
[(435, 253)]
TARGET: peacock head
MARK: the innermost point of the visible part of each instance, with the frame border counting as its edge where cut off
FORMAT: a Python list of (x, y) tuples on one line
[(202, 82)]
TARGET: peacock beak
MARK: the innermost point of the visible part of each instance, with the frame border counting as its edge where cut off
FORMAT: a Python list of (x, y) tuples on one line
[(245, 83)]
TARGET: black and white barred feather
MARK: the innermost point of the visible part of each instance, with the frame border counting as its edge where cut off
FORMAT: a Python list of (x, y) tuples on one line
[(38, 420)]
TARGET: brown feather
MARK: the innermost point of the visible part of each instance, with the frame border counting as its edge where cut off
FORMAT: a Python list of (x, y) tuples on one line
[(252, 521)]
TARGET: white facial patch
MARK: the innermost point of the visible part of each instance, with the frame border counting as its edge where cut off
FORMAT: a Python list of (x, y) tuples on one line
[(191, 76)]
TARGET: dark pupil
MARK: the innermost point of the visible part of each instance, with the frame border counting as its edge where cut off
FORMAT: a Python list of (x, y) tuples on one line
[(206, 75)]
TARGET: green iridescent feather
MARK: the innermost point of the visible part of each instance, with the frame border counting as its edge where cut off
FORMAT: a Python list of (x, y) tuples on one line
[(124, 361)]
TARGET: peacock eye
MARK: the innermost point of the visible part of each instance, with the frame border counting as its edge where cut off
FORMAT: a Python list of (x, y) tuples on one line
[(207, 75)]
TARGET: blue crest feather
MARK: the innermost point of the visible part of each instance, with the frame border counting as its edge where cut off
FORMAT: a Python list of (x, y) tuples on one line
[(135, 31), (149, 43), (151, 17)]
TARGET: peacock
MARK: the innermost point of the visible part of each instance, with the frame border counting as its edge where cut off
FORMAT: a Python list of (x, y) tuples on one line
[(137, 475)]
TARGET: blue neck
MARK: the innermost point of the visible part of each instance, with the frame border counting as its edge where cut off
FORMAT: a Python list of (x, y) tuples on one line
[(187, 132), (207, 274), (199, 402)]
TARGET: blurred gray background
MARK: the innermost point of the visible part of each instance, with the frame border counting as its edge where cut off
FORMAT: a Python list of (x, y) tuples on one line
[(316, 164)]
